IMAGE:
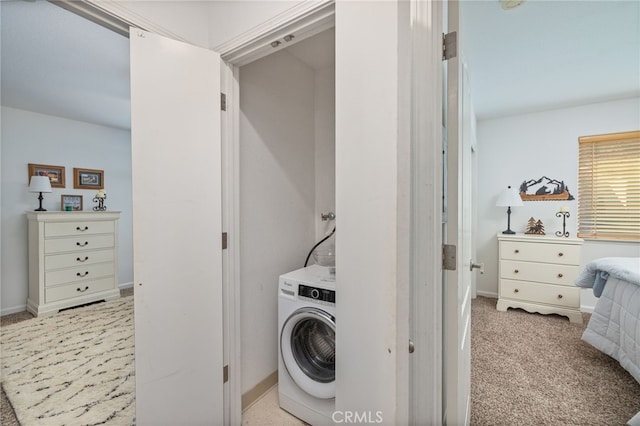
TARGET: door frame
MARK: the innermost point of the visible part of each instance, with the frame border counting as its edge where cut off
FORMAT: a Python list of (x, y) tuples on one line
[(426, 325), (305, 20)]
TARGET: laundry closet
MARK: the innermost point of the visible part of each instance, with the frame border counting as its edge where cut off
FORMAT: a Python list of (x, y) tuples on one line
[(287, 180)]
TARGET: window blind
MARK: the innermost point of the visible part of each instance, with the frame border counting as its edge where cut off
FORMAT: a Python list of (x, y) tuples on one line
[(609, 186)]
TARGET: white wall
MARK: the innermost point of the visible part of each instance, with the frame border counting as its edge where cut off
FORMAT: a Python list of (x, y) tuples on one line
[(325, 150), (514, 149), (277, 197), (202, 23), (232, 18), (29, 137)]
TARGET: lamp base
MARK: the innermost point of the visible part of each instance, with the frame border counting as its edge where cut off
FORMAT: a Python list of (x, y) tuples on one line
[(40, 209), (509, 232)]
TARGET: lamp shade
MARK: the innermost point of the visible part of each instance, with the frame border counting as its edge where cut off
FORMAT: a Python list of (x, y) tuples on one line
[(40, 184), (101, 194), (509, 198)]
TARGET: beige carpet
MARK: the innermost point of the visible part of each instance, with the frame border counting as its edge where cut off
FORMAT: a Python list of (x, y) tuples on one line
[(72, 368), (531, 369), (527, 369)]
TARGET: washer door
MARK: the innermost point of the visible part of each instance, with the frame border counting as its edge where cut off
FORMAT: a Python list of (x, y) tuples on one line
[(308, 348)]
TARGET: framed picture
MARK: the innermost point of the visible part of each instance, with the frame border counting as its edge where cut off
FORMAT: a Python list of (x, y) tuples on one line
[(71, 203), (55, 173), (88, 179)]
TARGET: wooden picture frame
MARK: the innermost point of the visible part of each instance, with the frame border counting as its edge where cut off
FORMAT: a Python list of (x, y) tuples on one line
[(88, 178), (73, 200), (55, 173)]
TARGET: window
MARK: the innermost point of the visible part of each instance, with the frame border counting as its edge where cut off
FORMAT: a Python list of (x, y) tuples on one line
[(609, 186)]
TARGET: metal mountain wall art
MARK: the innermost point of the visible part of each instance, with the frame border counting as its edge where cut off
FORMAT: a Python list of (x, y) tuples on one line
[(544, 189)]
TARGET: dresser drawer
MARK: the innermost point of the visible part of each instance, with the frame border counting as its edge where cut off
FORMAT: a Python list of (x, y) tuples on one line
[(57, 261), (69, 291), (62, 229), (79, 273), (567, 254), (541, 293), (545, 273), (85, 242)]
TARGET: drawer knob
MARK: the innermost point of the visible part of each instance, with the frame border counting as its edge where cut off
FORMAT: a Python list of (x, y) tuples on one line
[(560, 275), (516, 251), (516, 271), (560, 254), (82, 275), (82, 245), (516, 290), (82, 229), (559, 296), (82, 290), (82, 260)]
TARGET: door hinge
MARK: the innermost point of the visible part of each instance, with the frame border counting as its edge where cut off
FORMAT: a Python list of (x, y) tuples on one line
[(224, 241), (449, 257), (449, 45), (223, 101), (225, 374)]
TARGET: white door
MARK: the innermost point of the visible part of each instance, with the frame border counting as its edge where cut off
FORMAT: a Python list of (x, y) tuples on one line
[(175, 139), (457, 283)]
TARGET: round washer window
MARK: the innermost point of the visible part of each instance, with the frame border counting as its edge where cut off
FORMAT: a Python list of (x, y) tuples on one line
[(313, 343)]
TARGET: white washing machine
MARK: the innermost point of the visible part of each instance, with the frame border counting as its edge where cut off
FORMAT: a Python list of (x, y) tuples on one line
[(306, 342)]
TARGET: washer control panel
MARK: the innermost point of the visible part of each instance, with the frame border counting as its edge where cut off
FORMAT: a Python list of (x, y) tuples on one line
[(319, 294)]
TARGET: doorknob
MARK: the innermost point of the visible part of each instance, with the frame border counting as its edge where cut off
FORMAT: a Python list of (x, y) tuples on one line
[(412, 347), (479, 266)]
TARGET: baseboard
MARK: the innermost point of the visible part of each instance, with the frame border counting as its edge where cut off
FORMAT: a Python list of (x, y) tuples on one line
[(489, 294), (13, 310), (22, 308), (587, 309), (258, 390)]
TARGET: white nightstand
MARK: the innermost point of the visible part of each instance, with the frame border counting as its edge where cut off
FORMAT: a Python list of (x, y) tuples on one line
[(537, 274)]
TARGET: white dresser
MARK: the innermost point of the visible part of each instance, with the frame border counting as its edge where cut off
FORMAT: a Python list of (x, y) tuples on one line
[(73, 259), (537, 274)]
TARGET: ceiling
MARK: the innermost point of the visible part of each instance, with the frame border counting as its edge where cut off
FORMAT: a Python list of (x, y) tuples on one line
[(57, 63), (538, 56), (550, 54)]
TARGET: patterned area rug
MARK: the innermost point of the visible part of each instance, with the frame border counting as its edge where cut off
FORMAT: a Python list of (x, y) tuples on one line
[(72, 368)]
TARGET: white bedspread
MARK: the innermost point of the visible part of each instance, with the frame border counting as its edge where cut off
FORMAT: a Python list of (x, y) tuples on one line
[(614, 327), (596, 272)]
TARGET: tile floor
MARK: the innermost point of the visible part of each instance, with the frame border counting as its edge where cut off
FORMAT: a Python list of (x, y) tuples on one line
[(266, 412)]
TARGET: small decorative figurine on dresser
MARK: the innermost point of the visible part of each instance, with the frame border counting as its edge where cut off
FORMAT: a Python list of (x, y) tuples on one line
[(534, 227), (564, 214), (99, 198)]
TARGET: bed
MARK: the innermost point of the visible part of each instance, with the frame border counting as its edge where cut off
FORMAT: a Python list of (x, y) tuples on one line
[(614, 327)]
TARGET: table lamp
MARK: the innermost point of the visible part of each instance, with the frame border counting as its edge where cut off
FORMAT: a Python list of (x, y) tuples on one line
[(509, 198), (40, 184)]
